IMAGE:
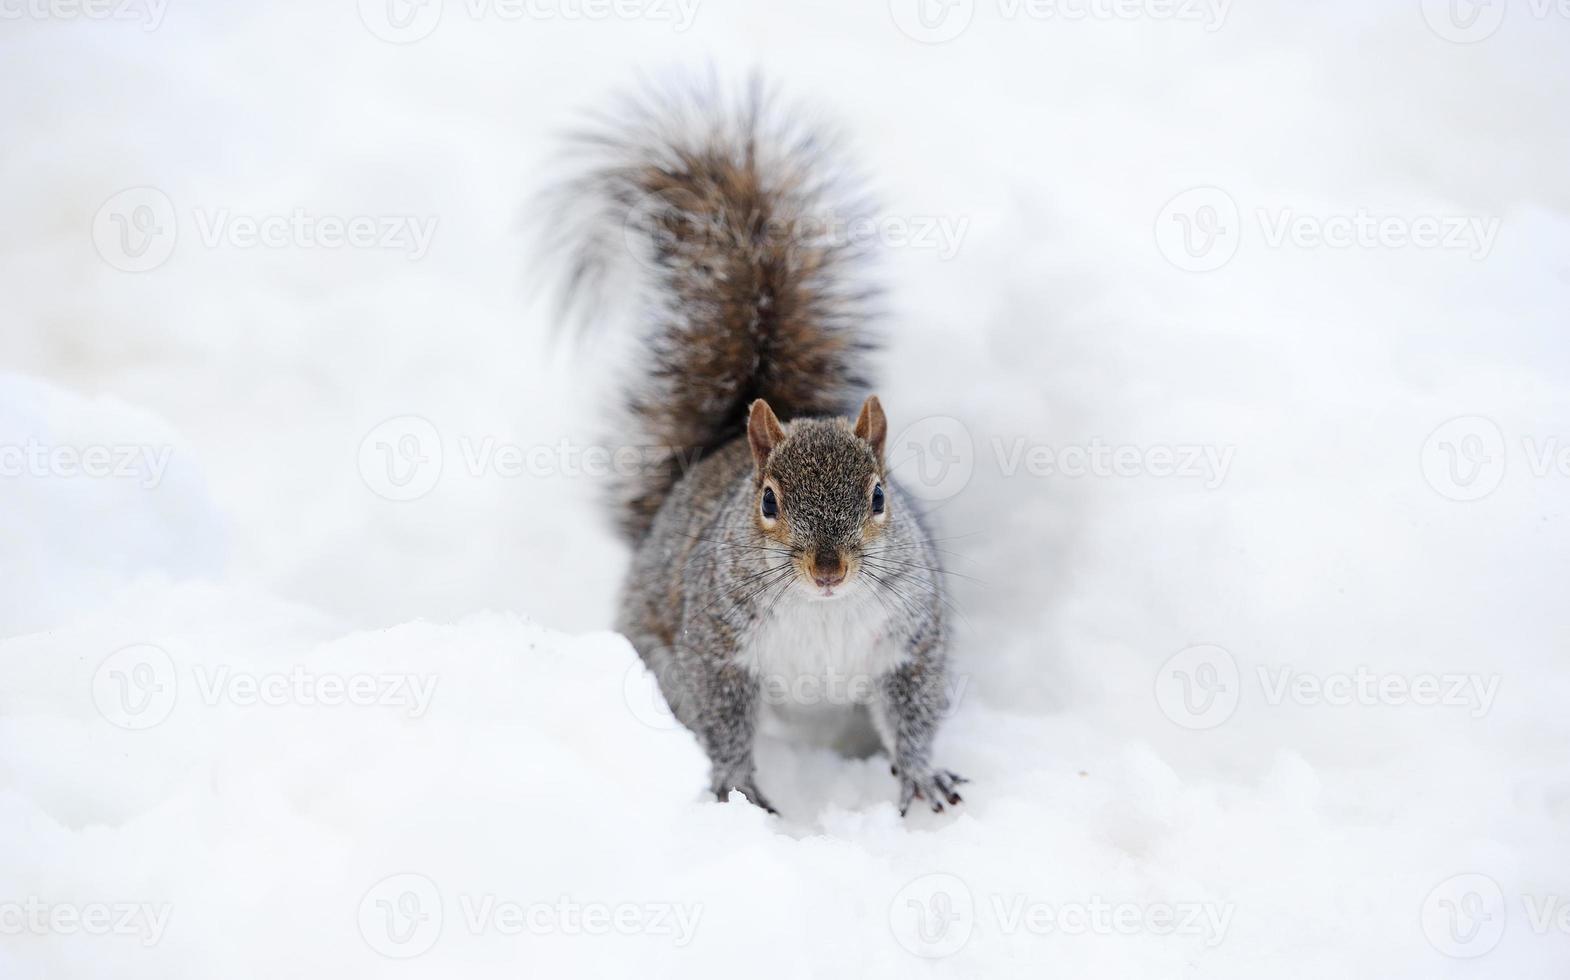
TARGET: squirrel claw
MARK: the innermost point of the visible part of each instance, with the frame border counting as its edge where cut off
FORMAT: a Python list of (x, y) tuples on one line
[(935, 788)]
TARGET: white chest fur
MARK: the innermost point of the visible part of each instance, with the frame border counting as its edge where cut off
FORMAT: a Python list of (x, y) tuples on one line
[(822, 651)]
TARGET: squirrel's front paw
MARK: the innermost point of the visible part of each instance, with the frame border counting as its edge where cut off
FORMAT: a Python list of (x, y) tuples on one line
[(935, 786)]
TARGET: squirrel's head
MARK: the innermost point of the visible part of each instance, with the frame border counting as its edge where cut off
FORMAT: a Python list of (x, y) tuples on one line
[(819, 493)]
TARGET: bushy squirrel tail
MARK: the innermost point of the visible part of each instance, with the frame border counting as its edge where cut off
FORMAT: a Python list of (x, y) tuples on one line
[(744, 232)]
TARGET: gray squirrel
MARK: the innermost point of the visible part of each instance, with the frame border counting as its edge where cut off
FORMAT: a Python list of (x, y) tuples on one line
[(777, 565)]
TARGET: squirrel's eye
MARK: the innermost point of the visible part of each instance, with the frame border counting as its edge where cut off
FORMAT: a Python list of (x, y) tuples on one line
[(771, 507), (877, 499)]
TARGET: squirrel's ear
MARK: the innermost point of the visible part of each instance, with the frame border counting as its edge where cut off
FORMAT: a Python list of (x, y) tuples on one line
[(763, 431), (871, 425)]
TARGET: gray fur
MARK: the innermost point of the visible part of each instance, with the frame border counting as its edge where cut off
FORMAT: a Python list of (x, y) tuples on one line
[(700, 587), (753, 304)]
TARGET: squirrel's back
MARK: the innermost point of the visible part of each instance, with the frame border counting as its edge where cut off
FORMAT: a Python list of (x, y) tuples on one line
[(744, 230)]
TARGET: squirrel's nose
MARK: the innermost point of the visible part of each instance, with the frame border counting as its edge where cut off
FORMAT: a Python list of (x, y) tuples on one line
[(827, 569)]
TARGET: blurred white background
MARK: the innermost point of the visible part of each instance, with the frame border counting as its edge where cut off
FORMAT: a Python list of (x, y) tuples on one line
[(267, 273)]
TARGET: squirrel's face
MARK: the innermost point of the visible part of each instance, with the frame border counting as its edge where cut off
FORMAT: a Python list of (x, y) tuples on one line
[(819, 495)]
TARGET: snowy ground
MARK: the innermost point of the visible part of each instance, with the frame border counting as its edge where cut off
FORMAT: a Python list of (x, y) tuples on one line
[(1295, 709)]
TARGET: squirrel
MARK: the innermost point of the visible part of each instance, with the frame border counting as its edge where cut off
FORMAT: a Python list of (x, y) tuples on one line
[(776, 561)]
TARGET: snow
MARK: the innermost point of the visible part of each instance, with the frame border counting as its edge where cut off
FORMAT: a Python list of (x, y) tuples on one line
[(271, 708)]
